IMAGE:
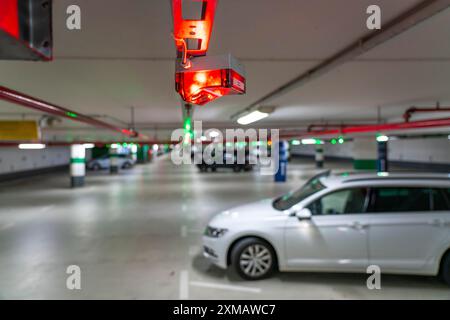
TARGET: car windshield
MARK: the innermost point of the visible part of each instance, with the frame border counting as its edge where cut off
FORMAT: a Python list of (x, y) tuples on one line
[(289, 200)]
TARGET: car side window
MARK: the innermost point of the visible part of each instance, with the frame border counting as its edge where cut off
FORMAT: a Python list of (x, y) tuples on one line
[(402, 199), (348, 201), (441, 201)]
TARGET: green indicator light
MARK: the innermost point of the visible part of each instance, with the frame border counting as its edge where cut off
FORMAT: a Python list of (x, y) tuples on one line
[(333, 141), (72, 115), (296, 142)]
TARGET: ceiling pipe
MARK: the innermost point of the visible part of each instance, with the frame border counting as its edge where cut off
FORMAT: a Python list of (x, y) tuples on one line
[(398, 25), (24, 100), (312, 128), (434, 123), (408, 113), (67, 144)]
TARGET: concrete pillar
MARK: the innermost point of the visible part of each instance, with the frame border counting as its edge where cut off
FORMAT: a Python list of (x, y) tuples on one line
[(383, 163), (320, 157), (281, 175), (114, 159), (134, 152), (142, 155), (77, 165), (365, 153)]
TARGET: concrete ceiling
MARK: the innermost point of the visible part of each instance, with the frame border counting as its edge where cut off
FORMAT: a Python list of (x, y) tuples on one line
[(123, 57)]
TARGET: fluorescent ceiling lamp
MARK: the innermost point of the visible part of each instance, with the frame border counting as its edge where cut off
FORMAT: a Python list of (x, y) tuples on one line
[(88, 145), (31, 146), (382, 138), (312, 141), (252, 117)]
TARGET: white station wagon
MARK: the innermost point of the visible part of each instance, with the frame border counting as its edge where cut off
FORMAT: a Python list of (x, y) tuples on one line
[(340, 223)]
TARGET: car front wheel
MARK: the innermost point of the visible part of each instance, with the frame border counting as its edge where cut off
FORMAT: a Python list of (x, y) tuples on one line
[(445, 269), (253, 259)]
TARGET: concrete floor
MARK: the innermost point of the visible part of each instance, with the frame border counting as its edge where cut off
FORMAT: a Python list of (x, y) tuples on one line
[(137, 236)]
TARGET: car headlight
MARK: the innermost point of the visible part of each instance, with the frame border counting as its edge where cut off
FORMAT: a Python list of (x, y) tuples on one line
[(215, 232)]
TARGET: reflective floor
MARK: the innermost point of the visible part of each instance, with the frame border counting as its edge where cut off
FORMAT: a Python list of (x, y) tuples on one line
[(137, 236)]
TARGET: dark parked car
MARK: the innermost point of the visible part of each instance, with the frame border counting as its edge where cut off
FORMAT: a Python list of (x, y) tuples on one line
[(233, 163)]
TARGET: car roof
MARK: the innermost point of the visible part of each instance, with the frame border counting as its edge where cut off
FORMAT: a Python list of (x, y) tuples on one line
[(359, 178)]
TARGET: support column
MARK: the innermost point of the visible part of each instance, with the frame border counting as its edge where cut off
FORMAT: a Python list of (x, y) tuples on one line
[(77, 165), (383, 163), (365, 153), (113, 159), (281, 175), (134, 152), (320, 157), (142, 155)]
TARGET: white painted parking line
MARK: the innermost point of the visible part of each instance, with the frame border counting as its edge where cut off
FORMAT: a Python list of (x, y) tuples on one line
[(184, 285), (224, 287)]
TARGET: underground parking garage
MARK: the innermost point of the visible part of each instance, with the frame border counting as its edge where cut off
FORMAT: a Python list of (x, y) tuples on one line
[(229, 150)]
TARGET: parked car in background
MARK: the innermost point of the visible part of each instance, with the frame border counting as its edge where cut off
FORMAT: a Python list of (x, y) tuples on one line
[(125, 162), (230, 161), (345, 223)]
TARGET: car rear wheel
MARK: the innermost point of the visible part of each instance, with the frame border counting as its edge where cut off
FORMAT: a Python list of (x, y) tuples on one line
[(445, 268), (126, 165), (253, 259)]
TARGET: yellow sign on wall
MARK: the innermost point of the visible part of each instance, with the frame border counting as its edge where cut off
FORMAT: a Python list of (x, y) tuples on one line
[(19, 130)]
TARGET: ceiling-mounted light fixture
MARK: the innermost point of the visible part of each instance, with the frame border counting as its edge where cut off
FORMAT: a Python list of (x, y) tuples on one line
[(257, 115), (210, 78), (382, 138), (32, 146), (312, 141), (252, 117), (89, 145)]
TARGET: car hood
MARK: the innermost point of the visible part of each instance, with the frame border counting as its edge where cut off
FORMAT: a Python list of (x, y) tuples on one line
[(257, 211)]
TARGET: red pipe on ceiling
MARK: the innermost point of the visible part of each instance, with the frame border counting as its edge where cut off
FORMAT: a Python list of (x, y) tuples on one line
[(24, 100), (408, 113), (444, 122)]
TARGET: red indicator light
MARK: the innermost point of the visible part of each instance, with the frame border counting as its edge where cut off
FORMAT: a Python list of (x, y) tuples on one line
[(201, 87), (9, 17)]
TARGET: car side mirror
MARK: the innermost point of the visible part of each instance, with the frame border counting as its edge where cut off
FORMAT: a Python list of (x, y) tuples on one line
[(304, 214)]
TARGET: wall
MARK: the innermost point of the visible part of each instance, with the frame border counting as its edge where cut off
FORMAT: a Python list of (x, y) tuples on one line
[(429, 150), (432, 150), (13, 160)]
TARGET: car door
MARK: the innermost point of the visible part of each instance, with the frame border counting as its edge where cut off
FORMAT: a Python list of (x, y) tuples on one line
[(406, 233), (335, 238)]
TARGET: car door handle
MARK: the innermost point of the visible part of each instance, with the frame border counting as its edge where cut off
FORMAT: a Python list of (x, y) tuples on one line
[(358, 226)]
